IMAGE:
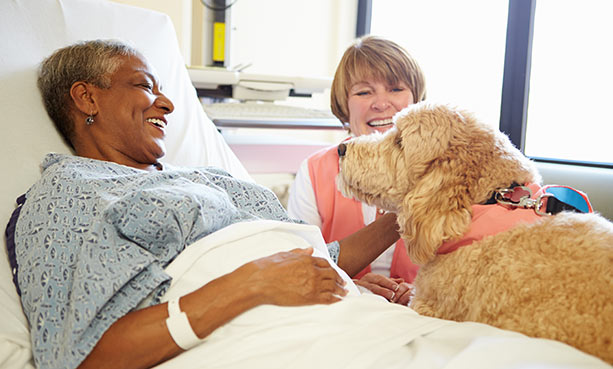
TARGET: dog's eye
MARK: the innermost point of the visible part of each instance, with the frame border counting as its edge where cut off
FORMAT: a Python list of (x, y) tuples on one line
[(398, 141)]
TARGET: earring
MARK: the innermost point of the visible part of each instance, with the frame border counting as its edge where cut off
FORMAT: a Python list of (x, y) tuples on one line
[(89, 120), (347, 127)]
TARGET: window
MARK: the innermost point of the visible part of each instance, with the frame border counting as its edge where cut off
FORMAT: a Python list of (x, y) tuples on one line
[(564, 46), (458, 44), (569, 106)]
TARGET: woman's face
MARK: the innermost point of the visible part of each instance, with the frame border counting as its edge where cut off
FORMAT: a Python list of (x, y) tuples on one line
[(372, 105), (130, 123)]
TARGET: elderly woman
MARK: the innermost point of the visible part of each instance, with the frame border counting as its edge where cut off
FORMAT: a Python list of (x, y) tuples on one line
[(98, 229)]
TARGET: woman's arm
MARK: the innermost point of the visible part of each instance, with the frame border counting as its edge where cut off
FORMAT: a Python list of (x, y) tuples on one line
[(141, 339), (362, 247), (359, 249)]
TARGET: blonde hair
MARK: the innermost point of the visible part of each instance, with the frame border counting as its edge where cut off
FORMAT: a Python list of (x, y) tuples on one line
[(89, 61), (376, 58)]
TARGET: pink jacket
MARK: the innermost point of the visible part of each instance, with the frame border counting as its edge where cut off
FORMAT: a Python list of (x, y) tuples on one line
[(341, 216)]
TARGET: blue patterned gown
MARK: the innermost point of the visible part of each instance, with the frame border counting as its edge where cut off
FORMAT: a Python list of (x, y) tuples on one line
[(94, 237)]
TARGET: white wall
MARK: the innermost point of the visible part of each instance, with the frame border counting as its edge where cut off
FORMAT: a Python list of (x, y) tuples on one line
[(291, 37), (180, 11), (287, 37)]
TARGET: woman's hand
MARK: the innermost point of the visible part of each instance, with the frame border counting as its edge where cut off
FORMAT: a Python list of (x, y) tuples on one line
[(393, 289), (295, 278), (140, 339)]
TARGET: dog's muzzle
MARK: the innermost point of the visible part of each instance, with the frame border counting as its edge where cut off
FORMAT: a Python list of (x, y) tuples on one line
[(342, 148)]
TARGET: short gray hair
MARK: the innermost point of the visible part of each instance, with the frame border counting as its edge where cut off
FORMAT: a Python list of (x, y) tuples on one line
[(88, 61)]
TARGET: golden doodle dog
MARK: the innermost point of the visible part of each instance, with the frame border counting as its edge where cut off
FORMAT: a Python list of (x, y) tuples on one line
[(487, 250)]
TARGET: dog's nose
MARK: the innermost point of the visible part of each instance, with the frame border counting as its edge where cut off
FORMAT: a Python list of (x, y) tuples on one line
[(341, 149)]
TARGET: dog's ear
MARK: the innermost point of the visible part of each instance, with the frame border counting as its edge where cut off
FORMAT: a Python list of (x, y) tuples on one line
[(437, 206), (437, 209), (425, 131)]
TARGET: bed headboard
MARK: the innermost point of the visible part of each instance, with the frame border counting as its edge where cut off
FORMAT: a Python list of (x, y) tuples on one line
[(32, 30)]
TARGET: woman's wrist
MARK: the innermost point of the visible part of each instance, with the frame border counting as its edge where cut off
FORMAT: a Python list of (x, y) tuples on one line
[(179, 327), (219, 301), (359, 249)]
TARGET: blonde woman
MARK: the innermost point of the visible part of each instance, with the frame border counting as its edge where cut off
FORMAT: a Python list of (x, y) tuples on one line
[(375, 79)]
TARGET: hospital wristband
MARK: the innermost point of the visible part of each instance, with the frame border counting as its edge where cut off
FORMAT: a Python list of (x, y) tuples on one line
[(179, 328)]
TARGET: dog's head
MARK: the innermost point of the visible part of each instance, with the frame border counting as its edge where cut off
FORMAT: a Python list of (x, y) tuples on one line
[(430, 169)]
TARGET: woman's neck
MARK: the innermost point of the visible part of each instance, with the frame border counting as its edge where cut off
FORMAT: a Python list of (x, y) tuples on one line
[(117, 158)]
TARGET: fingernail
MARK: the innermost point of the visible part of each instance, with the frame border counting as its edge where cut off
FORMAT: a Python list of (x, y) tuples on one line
[(393, 295), (396, 288)]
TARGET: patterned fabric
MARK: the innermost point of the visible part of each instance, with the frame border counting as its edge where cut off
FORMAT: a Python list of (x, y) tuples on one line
[(334, 249), (94, 237), (9, 235)]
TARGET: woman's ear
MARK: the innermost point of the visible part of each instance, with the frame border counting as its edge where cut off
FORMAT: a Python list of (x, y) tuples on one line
[(81, 94), (437, 209)]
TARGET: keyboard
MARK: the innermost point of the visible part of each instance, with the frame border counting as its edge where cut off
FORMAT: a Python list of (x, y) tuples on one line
[(257, 114)]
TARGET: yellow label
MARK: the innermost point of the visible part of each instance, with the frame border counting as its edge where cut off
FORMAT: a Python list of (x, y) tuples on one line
[(219, 41)]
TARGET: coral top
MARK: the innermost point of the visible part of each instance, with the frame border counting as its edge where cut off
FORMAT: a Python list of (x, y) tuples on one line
[(495, 218), (341, 216)]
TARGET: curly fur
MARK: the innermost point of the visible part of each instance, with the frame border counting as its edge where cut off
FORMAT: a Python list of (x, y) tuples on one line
[(551, 279)]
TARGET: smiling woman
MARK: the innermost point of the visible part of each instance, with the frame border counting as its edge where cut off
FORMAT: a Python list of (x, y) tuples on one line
[(113, 219), (375, 79), (130, 116), (119, 99), (374, 103)]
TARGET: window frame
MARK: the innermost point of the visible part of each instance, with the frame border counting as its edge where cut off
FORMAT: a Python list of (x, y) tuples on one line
[(516, 75)]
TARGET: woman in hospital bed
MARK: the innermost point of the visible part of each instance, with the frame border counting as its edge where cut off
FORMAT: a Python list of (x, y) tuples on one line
[(107, 280)]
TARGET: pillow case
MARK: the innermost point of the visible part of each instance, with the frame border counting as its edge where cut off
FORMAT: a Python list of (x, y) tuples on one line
[(32, 30)]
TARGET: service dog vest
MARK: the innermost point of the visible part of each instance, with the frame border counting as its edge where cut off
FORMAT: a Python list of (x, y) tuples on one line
[(494, 218)]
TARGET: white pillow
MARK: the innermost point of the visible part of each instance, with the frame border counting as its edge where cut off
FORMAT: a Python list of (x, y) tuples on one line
[(32, 30)]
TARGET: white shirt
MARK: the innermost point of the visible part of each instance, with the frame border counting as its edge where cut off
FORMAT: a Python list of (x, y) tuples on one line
[(302, 205)]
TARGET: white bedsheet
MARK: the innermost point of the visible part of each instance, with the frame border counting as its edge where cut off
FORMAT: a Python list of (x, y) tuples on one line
[(362, 331)]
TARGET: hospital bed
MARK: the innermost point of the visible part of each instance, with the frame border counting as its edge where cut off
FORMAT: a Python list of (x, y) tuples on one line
[(267, 337)]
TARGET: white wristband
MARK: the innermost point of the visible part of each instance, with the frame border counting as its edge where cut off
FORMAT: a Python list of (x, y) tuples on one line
[(179, 328)]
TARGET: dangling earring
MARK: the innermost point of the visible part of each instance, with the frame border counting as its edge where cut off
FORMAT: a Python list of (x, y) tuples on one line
[(89, 120)]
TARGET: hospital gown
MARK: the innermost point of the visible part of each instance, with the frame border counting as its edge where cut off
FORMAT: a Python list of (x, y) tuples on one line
[(93, 239)]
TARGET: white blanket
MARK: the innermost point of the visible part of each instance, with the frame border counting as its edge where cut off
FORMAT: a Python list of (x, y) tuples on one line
[(362, 331)]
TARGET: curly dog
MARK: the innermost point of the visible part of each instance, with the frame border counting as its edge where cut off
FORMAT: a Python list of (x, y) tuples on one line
[(500, 262)]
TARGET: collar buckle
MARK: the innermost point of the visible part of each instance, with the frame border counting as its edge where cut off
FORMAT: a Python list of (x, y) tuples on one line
[(521, 197)]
